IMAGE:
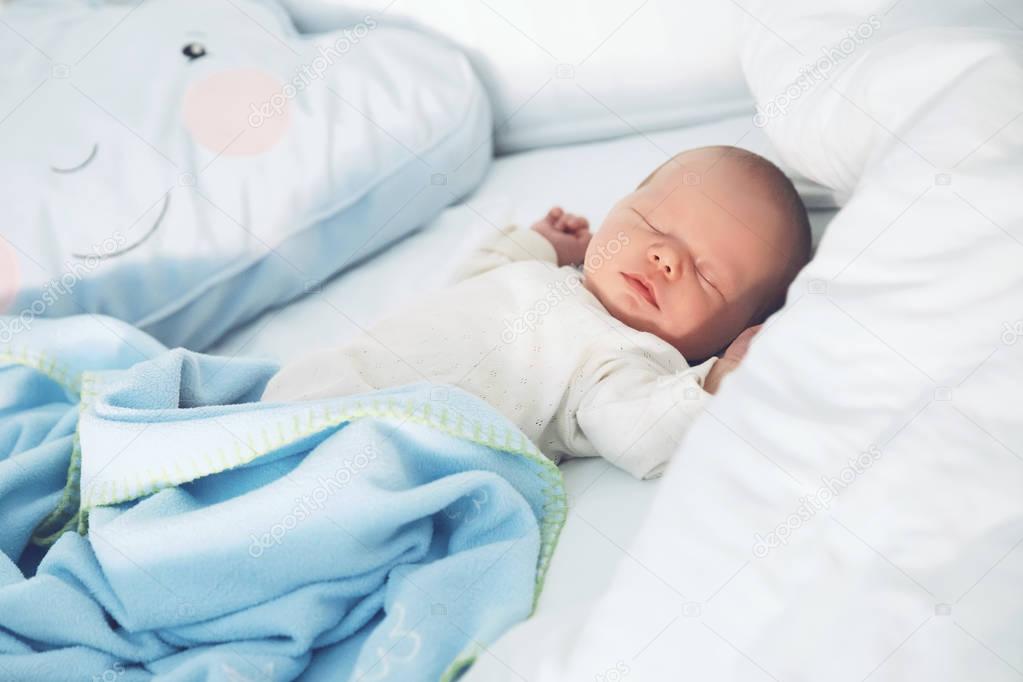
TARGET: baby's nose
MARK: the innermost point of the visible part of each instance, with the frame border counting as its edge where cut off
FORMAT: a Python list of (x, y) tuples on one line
[(667, 260)]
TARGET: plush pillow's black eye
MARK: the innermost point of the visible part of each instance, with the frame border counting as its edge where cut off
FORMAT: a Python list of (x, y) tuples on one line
[(193, 51)]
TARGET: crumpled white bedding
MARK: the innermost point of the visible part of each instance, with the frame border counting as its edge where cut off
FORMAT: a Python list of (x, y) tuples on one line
[(850, 507)]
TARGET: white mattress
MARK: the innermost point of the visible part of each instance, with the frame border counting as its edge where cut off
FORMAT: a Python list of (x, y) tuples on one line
[(606, 505)]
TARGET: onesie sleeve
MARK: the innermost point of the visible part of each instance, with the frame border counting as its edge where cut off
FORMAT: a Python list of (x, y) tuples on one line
[(635, 416), (509, 245)]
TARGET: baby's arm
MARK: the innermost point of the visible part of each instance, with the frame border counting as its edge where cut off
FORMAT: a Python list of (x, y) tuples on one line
[(559, 238), (634, 416)]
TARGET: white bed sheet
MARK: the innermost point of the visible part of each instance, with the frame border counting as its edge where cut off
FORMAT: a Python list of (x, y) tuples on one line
[(607, 506)]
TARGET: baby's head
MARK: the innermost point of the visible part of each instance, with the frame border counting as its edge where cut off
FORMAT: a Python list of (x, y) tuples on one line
[(704, 247)]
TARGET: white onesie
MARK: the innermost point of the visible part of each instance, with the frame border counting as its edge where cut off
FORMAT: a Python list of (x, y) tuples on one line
[(527, 337)]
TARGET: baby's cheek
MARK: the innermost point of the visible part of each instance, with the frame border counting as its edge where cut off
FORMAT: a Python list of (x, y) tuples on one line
[(699, 325), (596, 256), (614, 243), (683, 319)]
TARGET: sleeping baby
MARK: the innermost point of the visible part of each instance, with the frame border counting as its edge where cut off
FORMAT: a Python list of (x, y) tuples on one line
[(614, 360)]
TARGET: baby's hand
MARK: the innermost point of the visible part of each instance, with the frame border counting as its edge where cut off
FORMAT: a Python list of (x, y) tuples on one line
[(730, 359), (737, 349), (568, 234)]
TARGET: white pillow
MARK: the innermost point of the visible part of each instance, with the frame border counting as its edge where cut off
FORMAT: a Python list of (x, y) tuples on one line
[(562, 72)]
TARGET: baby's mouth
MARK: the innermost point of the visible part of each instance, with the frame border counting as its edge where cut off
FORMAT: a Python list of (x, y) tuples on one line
[(642, 287)]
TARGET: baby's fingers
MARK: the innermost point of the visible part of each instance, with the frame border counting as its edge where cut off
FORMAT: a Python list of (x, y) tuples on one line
[(572, 223), (554, 215)]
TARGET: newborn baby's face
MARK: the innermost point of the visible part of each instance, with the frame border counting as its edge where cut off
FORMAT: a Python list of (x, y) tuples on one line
[(694, 255)]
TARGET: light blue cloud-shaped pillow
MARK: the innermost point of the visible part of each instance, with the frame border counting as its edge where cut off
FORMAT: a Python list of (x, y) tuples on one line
[(185, 164)]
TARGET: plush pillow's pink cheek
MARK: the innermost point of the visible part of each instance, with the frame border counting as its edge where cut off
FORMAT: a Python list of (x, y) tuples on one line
[(10, 275), (241, 112)]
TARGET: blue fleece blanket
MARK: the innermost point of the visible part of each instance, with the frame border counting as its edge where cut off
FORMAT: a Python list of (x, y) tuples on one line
[(158, 521)]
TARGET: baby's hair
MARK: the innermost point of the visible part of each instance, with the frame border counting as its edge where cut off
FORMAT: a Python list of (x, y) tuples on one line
[(782, 190)]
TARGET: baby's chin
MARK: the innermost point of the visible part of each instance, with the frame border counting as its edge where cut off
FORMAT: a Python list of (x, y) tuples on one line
[(630, 313), (692, 345)]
